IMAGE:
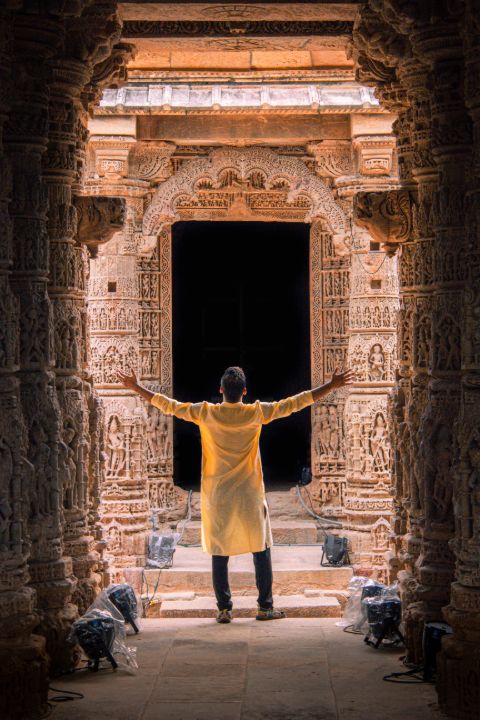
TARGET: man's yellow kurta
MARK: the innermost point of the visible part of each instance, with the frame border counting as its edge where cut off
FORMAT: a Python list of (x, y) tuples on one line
[(233, 506)]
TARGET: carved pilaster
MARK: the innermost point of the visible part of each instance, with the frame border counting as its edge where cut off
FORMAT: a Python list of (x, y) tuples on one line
[(372, 354), (114, 319), (329, 303)]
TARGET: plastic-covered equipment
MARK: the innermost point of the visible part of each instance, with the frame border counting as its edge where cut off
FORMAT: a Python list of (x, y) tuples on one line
[(123, 597), (95, 636), (383, 616), (161, 549), (355, 615), (100, 633)]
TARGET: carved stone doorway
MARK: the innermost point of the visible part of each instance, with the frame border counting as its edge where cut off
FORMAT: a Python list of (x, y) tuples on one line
[(241, 297)]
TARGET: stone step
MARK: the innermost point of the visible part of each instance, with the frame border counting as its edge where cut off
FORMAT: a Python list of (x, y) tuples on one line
[(294, 569), (246, 606), (286, 532)]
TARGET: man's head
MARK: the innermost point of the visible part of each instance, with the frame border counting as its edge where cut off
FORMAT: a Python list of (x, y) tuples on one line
[(233, 384)]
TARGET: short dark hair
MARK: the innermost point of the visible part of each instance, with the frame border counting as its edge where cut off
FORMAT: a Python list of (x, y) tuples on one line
[(233, 383)]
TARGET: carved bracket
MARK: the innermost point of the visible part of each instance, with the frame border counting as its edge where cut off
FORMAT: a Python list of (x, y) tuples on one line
[(386, 215), (99, 218)]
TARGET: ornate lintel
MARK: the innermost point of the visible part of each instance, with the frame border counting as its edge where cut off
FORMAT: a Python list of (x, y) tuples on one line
[(386, 215), (231, 173)]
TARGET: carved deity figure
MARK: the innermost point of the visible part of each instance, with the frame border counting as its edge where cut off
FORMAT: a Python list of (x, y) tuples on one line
[(165, 446), (376, 363), (334, 440), (381, 536), (379, 444), (116, 447), (40, 458), (6, 511), (423, 341), (322, 440), (153, 421), (122, 319), (68, 454), (448, 345), (443, 486)]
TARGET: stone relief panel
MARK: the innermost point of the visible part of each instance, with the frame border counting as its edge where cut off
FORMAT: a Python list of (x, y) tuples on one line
[(373, 357), (124, 507)]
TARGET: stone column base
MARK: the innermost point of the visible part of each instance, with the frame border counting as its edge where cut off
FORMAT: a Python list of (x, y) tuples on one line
[(23, 679), (458, 679)]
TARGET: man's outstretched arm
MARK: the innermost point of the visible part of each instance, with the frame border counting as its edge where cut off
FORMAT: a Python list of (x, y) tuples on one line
[(185, 411), (284, 408), (129, 381), (338, 380)]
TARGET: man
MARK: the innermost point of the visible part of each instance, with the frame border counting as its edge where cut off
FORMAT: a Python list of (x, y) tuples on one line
[(233, 507)]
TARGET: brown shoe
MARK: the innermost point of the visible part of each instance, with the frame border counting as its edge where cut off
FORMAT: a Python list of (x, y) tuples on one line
[(224, 616), (270, 614)]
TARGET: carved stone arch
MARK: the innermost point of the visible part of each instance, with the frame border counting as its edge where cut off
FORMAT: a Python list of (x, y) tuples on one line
[(242, 173)]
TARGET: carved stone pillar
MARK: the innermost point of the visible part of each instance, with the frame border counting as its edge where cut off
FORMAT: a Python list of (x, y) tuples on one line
[(22, 655), (459, 661), (27, 135), (440, 46), (114, 330), (67, 292), (372, 354), (431, 290)]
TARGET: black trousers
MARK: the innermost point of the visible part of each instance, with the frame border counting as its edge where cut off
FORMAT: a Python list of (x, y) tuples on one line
[(263, 578)]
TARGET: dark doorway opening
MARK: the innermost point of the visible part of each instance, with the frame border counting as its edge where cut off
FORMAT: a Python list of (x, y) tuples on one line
[(241, 297)]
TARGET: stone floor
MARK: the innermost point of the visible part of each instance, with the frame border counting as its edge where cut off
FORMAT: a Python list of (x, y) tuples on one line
[(294, 669)]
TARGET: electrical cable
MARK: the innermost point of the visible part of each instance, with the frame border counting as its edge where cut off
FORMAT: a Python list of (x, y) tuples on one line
[(65, 695), (187, 518), (351, 630), (371, 272), (413, 673), (324, 521), (148, 599)]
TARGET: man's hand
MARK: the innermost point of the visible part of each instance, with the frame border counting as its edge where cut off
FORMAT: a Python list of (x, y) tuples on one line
[(340, 379), (128, 380)]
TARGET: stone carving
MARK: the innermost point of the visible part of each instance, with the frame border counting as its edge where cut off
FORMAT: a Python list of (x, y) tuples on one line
[(151, 162), (376, 361), (256, 169), (425, 67), (179, 28), (98, 219), (387, 216), (115, 447)]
